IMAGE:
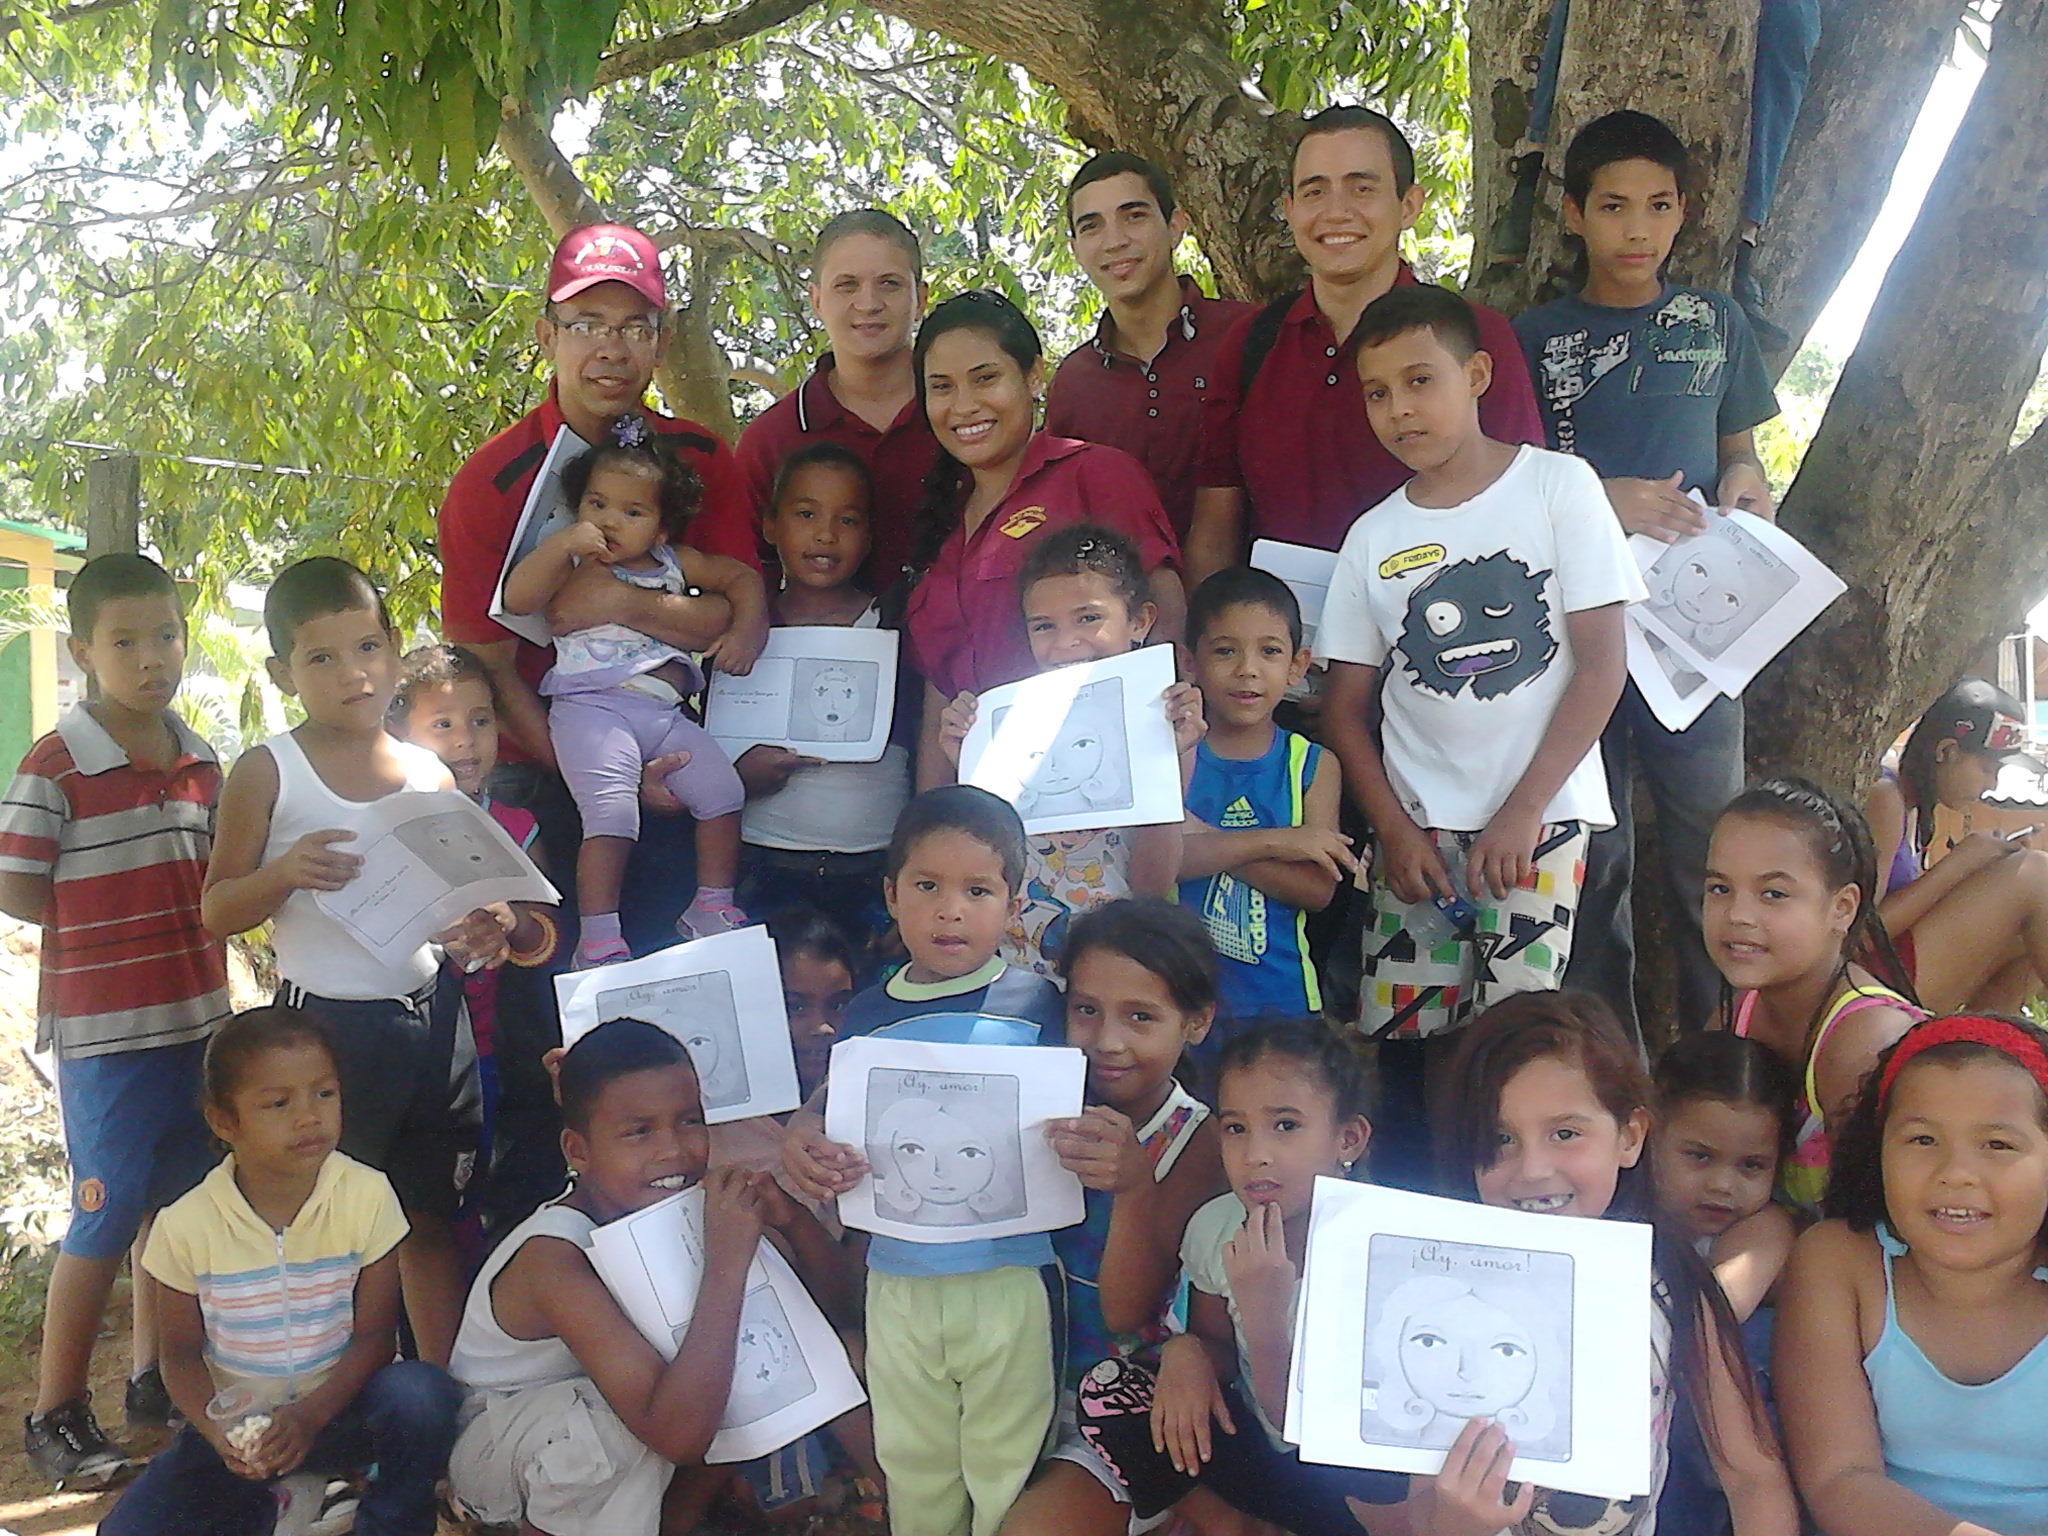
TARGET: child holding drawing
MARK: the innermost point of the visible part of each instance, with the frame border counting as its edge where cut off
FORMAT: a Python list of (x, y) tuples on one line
[(959, 1334), (575, 1422), (814, 832), (1083, 595), (1476, 616), (1549, 1110), (1290, 1102), (617, 695), (287, 816), (1660, 387), (447, 702)]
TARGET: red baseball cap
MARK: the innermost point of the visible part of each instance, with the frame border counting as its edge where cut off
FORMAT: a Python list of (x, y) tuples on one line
[(606, 253)]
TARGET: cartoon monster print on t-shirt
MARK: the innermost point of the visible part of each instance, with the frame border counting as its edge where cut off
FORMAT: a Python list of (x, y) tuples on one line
[(1480, 625)]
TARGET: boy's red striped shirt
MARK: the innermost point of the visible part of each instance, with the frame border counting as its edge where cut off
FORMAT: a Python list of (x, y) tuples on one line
[(127, 963)]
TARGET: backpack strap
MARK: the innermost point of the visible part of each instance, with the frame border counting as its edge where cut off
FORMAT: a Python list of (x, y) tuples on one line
[(1259, 338)]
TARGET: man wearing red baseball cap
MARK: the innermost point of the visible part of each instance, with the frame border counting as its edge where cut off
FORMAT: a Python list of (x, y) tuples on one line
[(602, 330)]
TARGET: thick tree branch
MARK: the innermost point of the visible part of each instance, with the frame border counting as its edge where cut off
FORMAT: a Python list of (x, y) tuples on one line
[(1157, 79), (1871, 73), (1687, 62), (1910, 490), (643, 58), (550, 180)]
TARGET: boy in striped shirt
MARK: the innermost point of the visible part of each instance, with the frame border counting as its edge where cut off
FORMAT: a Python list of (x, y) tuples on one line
[(104, 838)]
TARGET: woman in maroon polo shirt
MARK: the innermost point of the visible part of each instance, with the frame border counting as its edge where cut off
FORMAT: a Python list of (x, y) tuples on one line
[(998, 486)]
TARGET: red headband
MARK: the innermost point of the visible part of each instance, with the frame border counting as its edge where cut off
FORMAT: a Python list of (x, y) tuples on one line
[(1994, 1034)]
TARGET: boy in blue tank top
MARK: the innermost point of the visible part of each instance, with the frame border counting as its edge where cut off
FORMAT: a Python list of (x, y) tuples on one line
[(1266, 801)]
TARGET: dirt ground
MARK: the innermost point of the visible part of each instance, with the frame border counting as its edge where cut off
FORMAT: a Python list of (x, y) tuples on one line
[(31, 1198), (33, 1205)]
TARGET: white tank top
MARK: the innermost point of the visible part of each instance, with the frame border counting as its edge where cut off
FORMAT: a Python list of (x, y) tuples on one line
[(315, 952), (487, 1358)]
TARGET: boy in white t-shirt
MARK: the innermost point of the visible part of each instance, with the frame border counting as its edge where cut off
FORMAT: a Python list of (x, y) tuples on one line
[(1480, 606)]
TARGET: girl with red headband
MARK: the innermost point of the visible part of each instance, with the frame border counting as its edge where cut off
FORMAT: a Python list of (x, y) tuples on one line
[(1791, 921), (1912, 1345)]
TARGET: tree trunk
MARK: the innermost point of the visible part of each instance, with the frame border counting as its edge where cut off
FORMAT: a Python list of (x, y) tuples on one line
[(1910, 491), (1871, 73), (694, 374), (1687, 61), (1154, 77), (693, 370)]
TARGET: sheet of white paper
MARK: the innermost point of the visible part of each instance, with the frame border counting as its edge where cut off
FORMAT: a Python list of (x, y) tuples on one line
[(790, 1372), (1081, 747), (429, 858), (1541, 1323), (954, 1137), (546, 510), (1677, 696), (1728, 600), (822, 690), (1306, 570), (720, 996)]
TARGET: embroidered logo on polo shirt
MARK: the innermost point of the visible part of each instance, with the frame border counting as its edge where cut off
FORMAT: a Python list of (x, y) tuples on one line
[(1410, 560), (1021, 522), (92, 1195)]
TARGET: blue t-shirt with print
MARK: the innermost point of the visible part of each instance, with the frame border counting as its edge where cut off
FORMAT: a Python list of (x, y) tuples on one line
[(1650, 391), (996, 1005)]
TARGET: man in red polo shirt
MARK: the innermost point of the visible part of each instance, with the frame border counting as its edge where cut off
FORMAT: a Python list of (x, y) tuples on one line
[(601, 328), (867, 290), (1287, 453), (1140, 382)]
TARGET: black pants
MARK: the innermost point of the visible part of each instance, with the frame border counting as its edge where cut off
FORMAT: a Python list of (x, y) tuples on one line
[(1246, 1470)]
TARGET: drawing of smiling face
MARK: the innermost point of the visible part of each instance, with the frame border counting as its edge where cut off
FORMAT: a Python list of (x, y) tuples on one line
[(940, 1158), (833, 697), (1466, 1358), (1069, 762), (1478, 624)]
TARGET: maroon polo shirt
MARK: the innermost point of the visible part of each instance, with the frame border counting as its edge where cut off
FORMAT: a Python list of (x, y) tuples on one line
[(481, 511), (965, 618), (899, 459), (1299, 444), (1153, 411)]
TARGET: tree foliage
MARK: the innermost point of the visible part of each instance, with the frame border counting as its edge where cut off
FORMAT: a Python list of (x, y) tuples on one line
[(256, 233)]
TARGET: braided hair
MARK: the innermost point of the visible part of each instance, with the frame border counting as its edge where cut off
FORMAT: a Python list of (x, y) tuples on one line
[(1839, 840)]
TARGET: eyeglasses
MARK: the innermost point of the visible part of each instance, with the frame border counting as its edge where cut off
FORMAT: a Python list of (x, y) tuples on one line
[(986, 296), (634, 333)]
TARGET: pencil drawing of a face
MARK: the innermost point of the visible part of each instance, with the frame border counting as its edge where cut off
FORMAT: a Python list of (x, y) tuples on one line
[(1086, 765), (944, 1147), (833, 696), (458, 850), (1466, 1357), (832, 700), (1712, 589), (940, 1158), (1445, 1355), (1460, 1331), (699, 1011)]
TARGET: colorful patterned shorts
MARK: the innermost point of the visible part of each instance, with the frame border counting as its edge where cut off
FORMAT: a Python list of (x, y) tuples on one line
[(1516, 945)]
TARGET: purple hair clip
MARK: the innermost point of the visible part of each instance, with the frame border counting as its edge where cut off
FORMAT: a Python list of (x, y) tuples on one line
[(630, 431)]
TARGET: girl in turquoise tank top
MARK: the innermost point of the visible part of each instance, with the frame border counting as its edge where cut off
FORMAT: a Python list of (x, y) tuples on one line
[(1790, 919), (1912, 1344)]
